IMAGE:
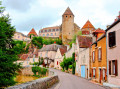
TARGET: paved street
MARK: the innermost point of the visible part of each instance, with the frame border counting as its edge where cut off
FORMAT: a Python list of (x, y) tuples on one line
[(69, 81)]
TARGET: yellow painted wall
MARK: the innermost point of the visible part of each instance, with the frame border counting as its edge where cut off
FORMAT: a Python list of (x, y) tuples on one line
[(103, 63)]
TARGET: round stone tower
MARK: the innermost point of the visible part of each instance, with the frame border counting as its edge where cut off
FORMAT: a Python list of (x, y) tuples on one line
[(67, 26)]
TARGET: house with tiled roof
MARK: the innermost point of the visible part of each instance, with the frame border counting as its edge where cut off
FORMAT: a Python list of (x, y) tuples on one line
[(98, 32), (113, 54), (20, 36), (32, 32), (30, 57), (59, 57), (87, 28), (82, 56), (48, 52)]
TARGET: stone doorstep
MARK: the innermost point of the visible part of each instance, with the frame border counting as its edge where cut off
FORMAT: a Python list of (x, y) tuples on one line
[(113, 86)]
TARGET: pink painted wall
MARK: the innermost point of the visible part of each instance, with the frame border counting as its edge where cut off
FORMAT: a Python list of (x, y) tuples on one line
[(114, 54)]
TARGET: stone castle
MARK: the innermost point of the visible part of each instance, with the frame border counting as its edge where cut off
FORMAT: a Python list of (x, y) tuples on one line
[(67, 29)]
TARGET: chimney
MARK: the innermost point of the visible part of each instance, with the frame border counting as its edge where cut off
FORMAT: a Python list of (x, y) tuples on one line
[(119, 15), (108, 26)]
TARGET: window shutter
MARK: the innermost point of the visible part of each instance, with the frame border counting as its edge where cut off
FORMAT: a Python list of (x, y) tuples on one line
[(109, 67), (112, 38), (101, 54), (102, 74), (109, 39), (95, 73), (92, 72), (92, 56), (105, 74), (116, 71)]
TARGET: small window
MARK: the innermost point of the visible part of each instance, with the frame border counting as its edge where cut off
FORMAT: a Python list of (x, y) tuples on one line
[(113, 67), (70, 16), (94, 72), (112, 39), (99, 54), (55, 34), (51, 34), (66, 16), (47, 34), (93, 56), (43, 34)]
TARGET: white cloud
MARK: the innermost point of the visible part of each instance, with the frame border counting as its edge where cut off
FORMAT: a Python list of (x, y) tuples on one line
[(43, 13)]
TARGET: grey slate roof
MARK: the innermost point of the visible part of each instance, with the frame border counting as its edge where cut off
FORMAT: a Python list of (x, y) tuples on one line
[(51, 47)]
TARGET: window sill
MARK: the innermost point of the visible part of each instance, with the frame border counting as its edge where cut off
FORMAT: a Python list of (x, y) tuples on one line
[(112, 75), (112, 47)]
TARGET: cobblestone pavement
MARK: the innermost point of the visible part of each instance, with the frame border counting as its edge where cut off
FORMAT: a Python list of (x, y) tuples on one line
[(69, 81)]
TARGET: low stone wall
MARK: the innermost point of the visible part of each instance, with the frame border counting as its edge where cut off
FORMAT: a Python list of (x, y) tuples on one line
[(26, 71), (42, 83)]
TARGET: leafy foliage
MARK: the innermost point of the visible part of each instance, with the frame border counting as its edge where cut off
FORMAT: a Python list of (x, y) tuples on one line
[(66, 62), (20, 47), (39, 70), (69, 63), (74, 38), (73, 63), (39, 41), (8, 52)]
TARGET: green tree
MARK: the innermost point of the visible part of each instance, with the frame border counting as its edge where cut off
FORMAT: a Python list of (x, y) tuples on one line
[(37, 41), (73, 63), (8, 54)]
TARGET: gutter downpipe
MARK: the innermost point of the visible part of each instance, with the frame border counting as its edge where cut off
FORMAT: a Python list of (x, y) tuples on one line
[(106, 56)]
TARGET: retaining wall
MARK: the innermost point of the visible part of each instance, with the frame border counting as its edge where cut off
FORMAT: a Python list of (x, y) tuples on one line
[(42, 83)]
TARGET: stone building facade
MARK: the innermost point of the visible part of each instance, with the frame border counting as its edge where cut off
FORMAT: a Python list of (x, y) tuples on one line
[(52, 32), (20, 36)]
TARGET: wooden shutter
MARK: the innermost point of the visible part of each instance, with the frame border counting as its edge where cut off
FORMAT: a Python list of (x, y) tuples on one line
[(116, 71), (102, 74), (95, 73), (92, 72), (105, 74), (109, 67), (92, 56), (109, 36), (112, 38), (101, 54)]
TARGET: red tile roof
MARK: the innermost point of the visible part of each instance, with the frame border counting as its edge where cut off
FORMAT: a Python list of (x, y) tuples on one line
[(68, 12), (32, 32), (84, 41), (85, 32), (55, 27), (99, 31), (24, 57), (63, 50), (88, 25)]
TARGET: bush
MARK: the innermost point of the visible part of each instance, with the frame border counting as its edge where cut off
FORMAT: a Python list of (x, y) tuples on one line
[(41, 71), (70, 66)]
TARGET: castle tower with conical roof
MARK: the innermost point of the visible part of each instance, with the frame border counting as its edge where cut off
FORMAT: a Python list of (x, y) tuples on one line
[(67, 26), (32, 33)]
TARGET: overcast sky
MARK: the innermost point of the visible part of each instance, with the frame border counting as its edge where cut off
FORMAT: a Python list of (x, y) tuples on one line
[(37, 14)]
